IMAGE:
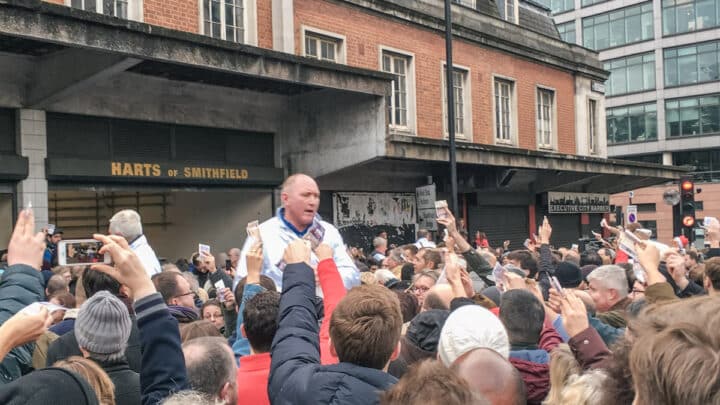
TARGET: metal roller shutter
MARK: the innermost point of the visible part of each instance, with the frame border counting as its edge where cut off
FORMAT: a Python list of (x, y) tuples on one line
[(500, 223)]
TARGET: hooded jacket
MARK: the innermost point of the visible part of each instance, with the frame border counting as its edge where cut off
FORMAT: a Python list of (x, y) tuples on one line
[(55, 386), (296, 376)]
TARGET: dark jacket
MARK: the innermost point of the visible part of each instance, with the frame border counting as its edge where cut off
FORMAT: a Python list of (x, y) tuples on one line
[(534, 368), (296, 376), (478, 265), (67, 345), (589, 349), (163, 364), (126, 381), (54, 386), (20, 286)]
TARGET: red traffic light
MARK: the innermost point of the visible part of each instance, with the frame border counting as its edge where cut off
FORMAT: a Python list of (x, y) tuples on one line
[(687, 185), (688, 221)]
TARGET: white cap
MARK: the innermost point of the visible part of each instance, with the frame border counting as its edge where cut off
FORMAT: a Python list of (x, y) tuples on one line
[(468, 328)]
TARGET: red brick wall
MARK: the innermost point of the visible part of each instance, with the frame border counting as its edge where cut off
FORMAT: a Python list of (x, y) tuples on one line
[(180, 15), (365, 32), (264, 24)]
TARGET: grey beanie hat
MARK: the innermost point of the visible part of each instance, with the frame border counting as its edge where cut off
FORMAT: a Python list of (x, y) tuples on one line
[(103, 324)]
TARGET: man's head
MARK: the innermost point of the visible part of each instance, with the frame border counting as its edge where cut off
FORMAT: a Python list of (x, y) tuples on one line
[(571, 256), (394, 258), (523, 316), (102, 327), (590, 257), (260, 320), (607, 255), (427, 259), (422, 283), (691, 259), (56, 285), (380, 244), (300, 196), (55, 237), (409, 251), (211, 368), (468, 328), (608, 286), (126, 223), (94, 281), (503, 385), (429, 382), (234, 255), (174, 289), (569, 275), (489, 257), (423, 233), (365, 327), (524, 260), (438, 297), (711, 280)]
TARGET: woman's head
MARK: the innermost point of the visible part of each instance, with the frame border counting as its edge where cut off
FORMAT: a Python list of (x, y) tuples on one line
[(212, 311), (93, 374)]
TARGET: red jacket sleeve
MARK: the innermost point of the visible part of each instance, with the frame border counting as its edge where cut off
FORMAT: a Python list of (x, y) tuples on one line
[(549, 338), (333, 291)]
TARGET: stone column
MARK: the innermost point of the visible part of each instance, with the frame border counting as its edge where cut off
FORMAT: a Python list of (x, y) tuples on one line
[(32, 143)]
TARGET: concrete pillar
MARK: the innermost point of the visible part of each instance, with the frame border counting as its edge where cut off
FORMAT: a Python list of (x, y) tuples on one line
[(32, 143), (283, 26)]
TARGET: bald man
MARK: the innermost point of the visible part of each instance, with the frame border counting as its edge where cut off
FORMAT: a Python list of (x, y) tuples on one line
[(502, 386), (438, 297), (300, 198)]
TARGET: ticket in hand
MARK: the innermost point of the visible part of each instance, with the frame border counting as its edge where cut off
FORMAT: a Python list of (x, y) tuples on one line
[(204, 250), (315, 234), (253, 231)]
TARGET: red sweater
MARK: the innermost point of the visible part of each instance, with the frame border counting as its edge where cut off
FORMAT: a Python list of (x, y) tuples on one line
[(333, 291), (252, 379)]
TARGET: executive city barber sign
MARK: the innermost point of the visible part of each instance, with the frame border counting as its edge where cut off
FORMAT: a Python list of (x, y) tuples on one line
[(578, 203)]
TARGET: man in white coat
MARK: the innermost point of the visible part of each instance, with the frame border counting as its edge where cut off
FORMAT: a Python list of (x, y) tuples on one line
[(300, 197), (127, 223)]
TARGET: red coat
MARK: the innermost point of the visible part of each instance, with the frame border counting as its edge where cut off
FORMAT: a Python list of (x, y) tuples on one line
[(252, 379), (536, 377), (333, 291)]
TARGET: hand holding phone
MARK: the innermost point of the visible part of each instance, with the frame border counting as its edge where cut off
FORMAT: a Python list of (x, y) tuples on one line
[(440, 208), (81, 251), (556, 285)]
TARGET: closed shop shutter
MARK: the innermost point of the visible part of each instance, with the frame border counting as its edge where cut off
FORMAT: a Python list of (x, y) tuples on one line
[(500, 223)]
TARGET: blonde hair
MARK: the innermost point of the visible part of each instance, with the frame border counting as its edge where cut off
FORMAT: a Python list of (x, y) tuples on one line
[(93, 374), (585, 389), (562, 366)]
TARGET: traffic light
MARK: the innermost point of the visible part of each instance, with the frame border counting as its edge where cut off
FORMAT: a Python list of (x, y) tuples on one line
[(687, 205)]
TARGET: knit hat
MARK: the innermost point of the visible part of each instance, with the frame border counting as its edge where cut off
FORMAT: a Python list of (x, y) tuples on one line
[(471, 327), (494, 294), (424, 330), (568, 274), (586, 270), (103, 324)]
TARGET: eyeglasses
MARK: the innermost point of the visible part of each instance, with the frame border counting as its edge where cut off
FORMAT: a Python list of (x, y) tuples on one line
[(421, 289), (186, 294)]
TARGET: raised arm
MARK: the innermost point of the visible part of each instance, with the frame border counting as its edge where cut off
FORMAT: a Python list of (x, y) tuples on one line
[(333, 291)]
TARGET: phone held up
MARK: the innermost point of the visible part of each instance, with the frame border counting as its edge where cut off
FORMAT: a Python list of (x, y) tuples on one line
[(81, 251)]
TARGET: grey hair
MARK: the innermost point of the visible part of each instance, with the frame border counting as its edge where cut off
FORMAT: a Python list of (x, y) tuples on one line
[(586, 389), (126, 223), (433, 274), (210, 364), (190, 397), (383, 275), (379, 241), (611, 277)]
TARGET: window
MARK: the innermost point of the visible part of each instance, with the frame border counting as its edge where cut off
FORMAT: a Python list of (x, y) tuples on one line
[(545, 114), (630, 74), (619, 27), (466, 3), (224, 19), (117, 8), (324, 47), (508, 10), (693, 116), (699, 206), (692, 64), (567, 32), (680, 16), (461, 94), (558, 6), (646, 207), (398, 100), (586, 3), (654, 158), (636, 123), (650, 225), (704, 161), (503, 110), (592, 126)]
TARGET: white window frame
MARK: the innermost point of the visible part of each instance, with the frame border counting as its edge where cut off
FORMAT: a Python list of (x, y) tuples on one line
[(134, 8), (515, 13), (552, 121), (513, 116), (593, 125), (322, 35), (409, 128), (249, 21), (466, 3), (467, 133)]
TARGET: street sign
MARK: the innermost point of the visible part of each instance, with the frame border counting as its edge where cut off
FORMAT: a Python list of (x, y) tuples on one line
[(425, 196), (631, 214)]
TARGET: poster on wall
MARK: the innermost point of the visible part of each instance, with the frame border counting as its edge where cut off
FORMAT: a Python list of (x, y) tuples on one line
[(578, 203), (360, 217), (426, 207)]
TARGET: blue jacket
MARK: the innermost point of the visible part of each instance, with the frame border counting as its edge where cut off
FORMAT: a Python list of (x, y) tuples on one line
[(296, 376), (241, 346), (163, 364), (20, 286)]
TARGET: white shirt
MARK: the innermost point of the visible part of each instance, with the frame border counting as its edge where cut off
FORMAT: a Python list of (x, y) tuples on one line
[(276, 236), (424, 243), (146, 254)]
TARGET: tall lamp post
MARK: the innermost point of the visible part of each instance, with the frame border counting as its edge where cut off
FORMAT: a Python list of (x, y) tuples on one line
[(450, 88)]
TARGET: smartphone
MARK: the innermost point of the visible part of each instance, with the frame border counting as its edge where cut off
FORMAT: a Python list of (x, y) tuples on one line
[(441, 207), (220, 290), (253, 231), (556, 285), (81, 251), (315, 234), (228, 264)]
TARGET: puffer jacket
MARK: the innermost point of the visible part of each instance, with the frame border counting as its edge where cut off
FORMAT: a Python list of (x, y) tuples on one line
[(534, 367), (20, 286)]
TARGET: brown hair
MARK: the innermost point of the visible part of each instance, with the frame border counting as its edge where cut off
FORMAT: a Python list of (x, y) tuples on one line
[(675, 358), (430, 382), (365, 326), (202, 328), (265, 282), (93, 374), (432, 255), (712, 272)]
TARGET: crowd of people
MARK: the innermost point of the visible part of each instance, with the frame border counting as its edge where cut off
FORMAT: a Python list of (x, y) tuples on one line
[(296, 317)]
